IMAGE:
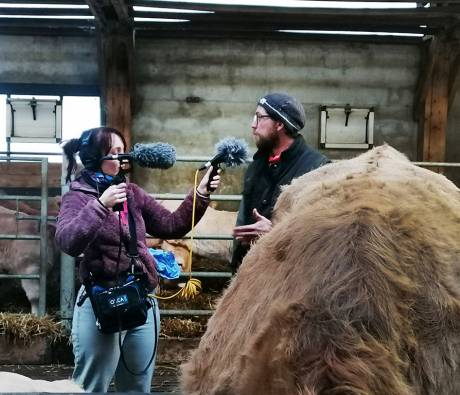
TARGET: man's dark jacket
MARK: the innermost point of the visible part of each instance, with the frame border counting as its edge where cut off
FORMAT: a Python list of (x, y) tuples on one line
[(262, 184)]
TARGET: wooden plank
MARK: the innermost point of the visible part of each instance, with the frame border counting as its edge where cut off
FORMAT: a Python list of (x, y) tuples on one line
[(28, 175)]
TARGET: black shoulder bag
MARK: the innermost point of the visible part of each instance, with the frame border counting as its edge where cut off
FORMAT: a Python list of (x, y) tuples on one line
[(125, 305)]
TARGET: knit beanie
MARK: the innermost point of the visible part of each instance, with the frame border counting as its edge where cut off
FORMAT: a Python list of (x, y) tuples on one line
[(284, 108)]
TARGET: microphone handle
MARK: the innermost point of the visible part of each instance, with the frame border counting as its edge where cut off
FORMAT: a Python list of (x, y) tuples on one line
[(118, 207), (211, 176), (118, 179)]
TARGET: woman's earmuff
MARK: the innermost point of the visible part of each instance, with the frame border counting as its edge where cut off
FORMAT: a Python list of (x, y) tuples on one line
[(90, 154)]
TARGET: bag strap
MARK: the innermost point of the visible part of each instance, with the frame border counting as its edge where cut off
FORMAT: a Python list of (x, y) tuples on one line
[(132, 245)]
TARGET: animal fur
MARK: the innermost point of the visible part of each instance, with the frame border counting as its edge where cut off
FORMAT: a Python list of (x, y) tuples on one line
[(355, 291), (214, 221), (13, 382)]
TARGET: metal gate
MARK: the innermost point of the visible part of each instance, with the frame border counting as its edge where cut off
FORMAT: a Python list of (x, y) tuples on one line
[(42, 218)]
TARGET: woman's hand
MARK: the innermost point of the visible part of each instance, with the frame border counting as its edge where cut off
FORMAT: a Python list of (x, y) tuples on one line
[(215, 182), (113, 194)]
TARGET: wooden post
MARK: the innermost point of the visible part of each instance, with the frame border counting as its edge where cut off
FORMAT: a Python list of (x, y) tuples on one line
[(116, 54), (435, 106)]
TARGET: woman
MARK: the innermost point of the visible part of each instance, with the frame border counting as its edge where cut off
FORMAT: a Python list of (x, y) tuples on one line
[(87, 225)]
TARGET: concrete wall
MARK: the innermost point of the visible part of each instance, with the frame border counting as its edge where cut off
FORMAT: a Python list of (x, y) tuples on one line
[(48, 60), (229, 76)]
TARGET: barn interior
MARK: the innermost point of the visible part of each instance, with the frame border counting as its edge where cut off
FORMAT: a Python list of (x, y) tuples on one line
[(190, 73)]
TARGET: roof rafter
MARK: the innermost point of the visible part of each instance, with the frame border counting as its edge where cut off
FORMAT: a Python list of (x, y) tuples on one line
[(110, 12)]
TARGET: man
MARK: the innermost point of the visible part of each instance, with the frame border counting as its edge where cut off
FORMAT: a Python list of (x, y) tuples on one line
[(282, 155)]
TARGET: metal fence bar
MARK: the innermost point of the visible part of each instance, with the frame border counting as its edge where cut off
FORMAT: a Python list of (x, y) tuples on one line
[(21, 276), (19, 197), (181, 196), (67, 292), (35, 217), (202, 237), (207, 274), (186, 312), (19, 237), (43, 238), (31, 153)]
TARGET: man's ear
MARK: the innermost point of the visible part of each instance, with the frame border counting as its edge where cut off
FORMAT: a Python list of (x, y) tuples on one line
[(279, 126)]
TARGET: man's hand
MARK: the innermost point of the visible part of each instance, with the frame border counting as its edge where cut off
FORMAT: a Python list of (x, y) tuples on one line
[(248, 233)]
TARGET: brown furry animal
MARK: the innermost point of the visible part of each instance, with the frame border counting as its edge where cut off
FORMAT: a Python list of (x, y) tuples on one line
[(23, 256), (355, 291), (214, 221)]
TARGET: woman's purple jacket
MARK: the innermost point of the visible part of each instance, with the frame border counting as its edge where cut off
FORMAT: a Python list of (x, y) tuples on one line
[(85, 226)]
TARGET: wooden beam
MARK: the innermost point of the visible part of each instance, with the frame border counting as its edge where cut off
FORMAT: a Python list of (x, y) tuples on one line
[(61, 2), (46, 11), (454, 81), (221, 25), (424, 79), (84, 24), (389, 14), (433, 126), (122, 10), (116, 66), (305, 22), (96, 8), (113, 14), (272, 35)]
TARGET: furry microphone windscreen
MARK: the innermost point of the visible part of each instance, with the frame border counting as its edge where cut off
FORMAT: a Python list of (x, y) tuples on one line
[(154, 155), (231, 151)]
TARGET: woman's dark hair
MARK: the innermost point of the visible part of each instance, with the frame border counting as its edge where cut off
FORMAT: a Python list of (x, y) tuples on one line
[(92, 145)]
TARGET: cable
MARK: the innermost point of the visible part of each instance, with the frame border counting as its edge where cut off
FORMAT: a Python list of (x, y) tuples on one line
[(192, 287)]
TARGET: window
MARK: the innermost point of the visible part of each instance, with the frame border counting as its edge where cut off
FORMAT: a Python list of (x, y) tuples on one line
[(78, 113)]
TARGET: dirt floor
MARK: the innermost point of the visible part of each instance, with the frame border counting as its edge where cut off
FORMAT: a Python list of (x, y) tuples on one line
[(165, 379)]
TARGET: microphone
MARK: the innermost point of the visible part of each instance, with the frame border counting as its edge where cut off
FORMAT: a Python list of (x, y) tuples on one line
[(152, 155), (231, 151)]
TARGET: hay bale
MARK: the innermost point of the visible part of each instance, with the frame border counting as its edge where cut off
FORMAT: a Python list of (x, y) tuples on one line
[(27, 327), (183, 328)]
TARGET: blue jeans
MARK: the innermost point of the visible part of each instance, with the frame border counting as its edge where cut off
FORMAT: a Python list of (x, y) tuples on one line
[(97, 355)]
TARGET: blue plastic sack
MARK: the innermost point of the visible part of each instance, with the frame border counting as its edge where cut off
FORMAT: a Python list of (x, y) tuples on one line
[(166, 264)]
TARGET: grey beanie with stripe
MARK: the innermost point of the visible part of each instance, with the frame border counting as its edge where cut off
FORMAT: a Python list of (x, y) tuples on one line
[(284, 108)]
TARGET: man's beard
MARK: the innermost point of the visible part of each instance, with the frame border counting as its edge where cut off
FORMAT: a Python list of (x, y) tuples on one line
[(266, 144)]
